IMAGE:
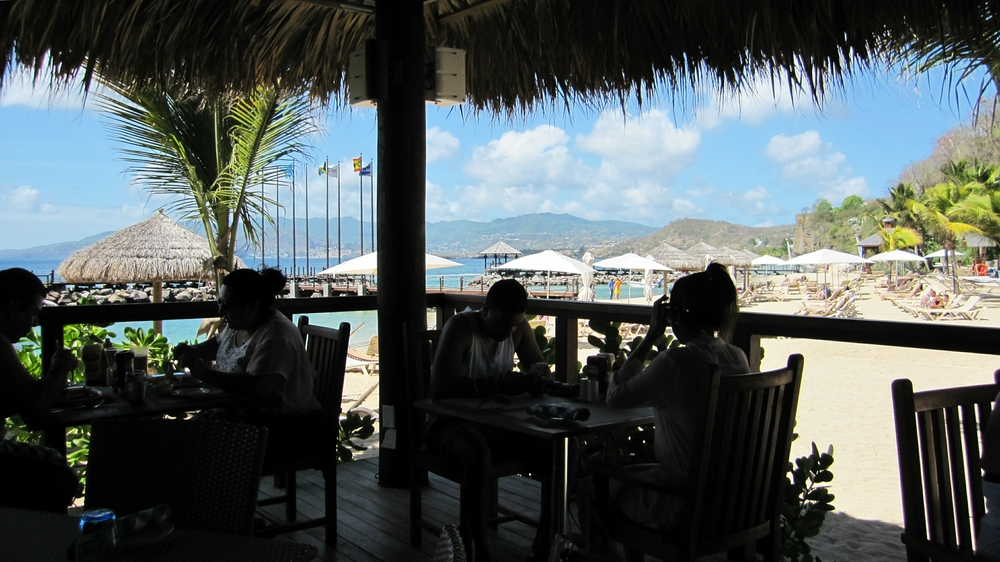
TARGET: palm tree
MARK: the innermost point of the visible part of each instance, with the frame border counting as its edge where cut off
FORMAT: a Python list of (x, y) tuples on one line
[(204, 156), (938, 207)]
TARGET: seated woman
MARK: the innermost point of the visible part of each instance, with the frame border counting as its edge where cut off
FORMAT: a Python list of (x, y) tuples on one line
[(258, 352), (702, 311), (988, 539), (31, 477)]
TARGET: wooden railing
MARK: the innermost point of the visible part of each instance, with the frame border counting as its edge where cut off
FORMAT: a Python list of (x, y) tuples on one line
[(751, 328)]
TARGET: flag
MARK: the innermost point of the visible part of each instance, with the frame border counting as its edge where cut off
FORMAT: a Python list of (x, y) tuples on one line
[(357, 164), (367, 170), (332, 171), (289, 170)]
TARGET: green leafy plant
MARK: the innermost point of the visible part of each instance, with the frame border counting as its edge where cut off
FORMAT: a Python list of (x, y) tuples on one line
[(160, 350), (353, 428), (806, 503)]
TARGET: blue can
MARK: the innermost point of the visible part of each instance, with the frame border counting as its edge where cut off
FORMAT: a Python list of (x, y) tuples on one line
[(98, 537)]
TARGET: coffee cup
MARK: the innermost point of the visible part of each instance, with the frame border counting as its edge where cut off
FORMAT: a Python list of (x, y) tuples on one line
[(141, 360), (137, 389)]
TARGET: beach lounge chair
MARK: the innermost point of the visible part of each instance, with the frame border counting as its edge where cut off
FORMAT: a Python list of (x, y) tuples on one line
[(364, 361), (937, 444), (968, 311)]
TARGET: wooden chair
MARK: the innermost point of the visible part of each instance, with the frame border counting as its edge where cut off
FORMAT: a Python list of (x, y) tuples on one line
[(938, 433), (309, 441), (208, 472), (733, 496), (419, 347)]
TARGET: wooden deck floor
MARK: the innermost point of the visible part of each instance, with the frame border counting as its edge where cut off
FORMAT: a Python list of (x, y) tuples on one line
[(374, 521)]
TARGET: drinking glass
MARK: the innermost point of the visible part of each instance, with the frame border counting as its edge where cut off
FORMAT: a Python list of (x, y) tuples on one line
[(98, 536)]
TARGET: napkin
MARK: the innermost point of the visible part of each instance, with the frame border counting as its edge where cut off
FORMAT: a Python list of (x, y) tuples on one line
[(136, 522), (559, 412)]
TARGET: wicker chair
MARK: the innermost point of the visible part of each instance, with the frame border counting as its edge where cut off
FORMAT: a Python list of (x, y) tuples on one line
[(208, 472), (419, 348), (449, 546), (309, 441), (938, 433), (732, 499)]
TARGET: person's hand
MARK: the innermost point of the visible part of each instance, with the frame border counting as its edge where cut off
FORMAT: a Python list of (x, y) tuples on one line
[(182, 349), (659, 320), (188, 357), (63, 361)]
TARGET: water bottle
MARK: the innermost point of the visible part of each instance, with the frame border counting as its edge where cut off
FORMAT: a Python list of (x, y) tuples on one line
[(98, 536)]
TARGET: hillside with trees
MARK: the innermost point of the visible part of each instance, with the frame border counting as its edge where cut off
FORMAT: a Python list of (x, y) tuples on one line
[(684, 233)]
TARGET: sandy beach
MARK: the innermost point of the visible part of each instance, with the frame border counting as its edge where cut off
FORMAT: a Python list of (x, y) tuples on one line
[(846, 402)]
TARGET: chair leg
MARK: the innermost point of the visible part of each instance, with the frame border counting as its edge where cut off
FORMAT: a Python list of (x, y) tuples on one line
[(330, 498), (416, 507), (290, 490), (279, 480), (494, 511)]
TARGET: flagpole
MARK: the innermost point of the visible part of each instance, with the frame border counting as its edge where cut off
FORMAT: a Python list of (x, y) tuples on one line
[(371, 192), (277, 214), (294, 248), (326, 166), (338, 215), (361, 198), (263, 236), (306, 174)]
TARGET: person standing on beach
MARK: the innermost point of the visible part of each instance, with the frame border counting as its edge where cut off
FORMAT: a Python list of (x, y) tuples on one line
[(618, 289), (31, 477), (611, 288), (475, 357)]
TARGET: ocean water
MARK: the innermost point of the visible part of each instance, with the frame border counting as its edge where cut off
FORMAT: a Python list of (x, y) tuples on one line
[(364, 324)]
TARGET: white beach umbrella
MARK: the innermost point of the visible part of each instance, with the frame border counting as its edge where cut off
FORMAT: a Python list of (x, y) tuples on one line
[(826, 256), (647, 283), (768, 260), (587, 292), (547, 261), (368, 265), (631, 262), (896, 256), (941, 253)]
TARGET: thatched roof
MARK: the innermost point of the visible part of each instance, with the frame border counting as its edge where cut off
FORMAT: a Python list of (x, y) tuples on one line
[(518, 52), (501, 249), (156, 249), (675, 259)]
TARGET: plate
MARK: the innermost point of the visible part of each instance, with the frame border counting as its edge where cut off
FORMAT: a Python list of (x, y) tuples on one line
[(186, 382), (73, 396), (148, 535), (193, 391)]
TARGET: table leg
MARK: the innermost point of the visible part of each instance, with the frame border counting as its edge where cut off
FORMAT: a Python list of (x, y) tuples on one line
[(560, 483)]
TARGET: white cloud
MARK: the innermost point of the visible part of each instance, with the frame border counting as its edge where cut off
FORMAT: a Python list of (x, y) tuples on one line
[(22, 199), (756, 194), (685, 207), (836, 191), (18, 89), (783, 149), (649, 143), (440, 144), (764, 224), (519, 158)]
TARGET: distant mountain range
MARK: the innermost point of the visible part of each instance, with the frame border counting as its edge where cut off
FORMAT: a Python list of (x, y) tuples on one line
[(457, 239)]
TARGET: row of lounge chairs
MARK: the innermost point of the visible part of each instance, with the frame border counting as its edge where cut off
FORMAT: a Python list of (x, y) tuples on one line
[(955, 309), (841, 306)]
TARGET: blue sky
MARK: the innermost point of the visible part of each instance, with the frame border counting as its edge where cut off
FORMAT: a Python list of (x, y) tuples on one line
[(754, 160)]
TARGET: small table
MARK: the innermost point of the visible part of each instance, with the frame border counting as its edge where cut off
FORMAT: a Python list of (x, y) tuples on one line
[(54, 424), (514, 417), (37, 535)]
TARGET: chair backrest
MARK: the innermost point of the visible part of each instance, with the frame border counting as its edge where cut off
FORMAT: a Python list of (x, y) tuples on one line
[(738, 480), (208, 472), (327, 350), (419, 346), (938, 436)]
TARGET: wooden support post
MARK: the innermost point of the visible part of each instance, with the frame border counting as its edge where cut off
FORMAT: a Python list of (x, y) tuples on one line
[(402, 294), (750, 344), (566, 349)]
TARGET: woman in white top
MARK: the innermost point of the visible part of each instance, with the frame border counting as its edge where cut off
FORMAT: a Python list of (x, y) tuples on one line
[(702, 311), (259, 351)]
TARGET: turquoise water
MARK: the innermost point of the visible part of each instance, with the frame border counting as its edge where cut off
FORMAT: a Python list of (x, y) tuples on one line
[(364, 324)]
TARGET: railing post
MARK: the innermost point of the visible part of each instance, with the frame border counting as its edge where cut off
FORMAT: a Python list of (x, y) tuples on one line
[(566, 349), (750, 344), (52, 340)]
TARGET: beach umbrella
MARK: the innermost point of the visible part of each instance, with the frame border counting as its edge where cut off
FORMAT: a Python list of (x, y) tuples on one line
[(647, 283), (631, 262), (675, 258), (896, 256), (587, 292), (941, 253), (549, 262), (152, 251), (768, 260), (826, 256), (368, 265)]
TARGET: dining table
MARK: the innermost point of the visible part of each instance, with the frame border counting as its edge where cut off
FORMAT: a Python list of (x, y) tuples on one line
[(39, 536), (114, 405), (511, 413)]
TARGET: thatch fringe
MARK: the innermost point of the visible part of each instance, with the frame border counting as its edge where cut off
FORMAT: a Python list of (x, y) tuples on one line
[(520, 53)]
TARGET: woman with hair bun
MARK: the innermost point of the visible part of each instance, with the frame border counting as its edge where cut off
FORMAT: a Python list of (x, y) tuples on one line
[(259, 351), (702, 311)]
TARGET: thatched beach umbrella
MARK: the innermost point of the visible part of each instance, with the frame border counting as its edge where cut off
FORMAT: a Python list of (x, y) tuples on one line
[(152, 251), (675, 258)]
